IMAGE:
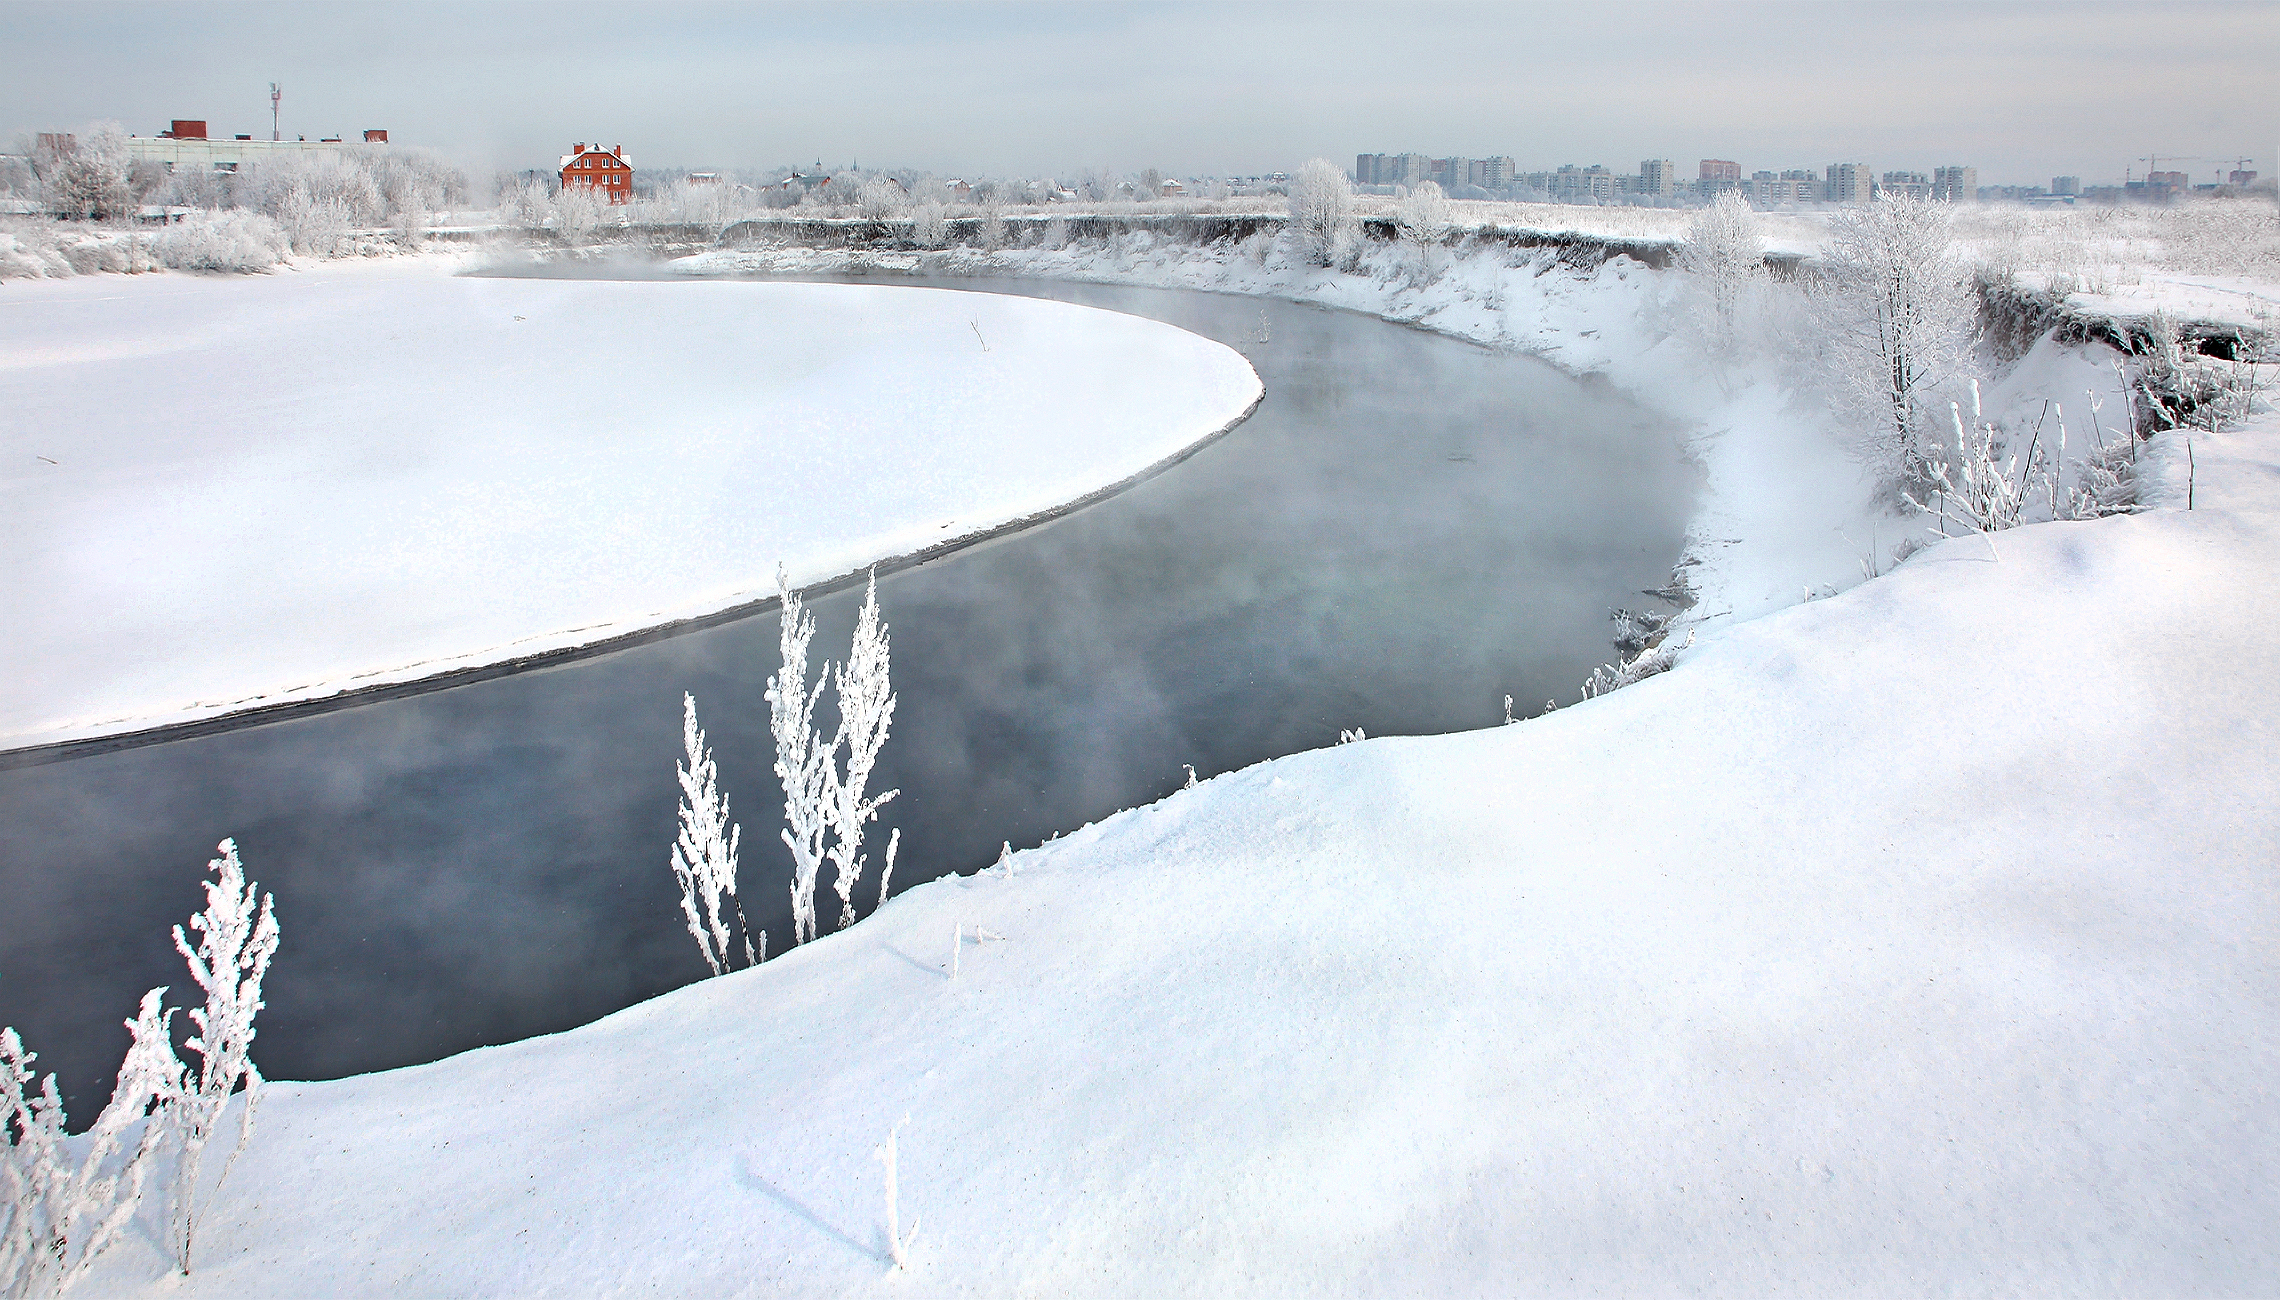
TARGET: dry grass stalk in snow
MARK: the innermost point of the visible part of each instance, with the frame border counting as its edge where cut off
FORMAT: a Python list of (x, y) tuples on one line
[(704, 856), (231, 957), (57, 1213)]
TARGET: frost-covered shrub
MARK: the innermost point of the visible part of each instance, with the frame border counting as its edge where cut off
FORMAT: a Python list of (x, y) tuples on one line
[(1660, 658), (221, 241), (1981, 483), (1322, 211), (2105, 483)]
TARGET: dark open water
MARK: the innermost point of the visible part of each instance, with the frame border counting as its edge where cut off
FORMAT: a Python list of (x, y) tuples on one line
[(1409, 528)]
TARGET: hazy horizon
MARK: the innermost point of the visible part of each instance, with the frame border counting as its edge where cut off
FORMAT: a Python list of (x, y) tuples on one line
[(2020, 91)]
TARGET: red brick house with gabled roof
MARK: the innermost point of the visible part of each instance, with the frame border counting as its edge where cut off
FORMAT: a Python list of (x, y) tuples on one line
[(606, 172)]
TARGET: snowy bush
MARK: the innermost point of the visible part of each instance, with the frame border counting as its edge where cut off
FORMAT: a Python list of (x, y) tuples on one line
[(1321, 210), (1896, 313), (2105, 482), (1659, 658), (221, 241), (704, 857), (33, 250)]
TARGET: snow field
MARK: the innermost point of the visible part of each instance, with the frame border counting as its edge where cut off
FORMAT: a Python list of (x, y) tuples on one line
[(232, 492), (1917, 940)]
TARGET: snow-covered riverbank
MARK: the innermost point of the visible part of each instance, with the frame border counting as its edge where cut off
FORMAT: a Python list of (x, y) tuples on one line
[(1917, 940), (232, 492)]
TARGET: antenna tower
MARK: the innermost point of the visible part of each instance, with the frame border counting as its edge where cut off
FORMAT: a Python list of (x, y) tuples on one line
[(274, 96)]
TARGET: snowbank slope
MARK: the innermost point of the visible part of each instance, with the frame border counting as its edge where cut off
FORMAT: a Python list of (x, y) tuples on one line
[(1921, 939), (226, 493)]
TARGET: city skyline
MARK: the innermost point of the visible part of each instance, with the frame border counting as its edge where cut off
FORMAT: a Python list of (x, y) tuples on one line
[(2023, 92)]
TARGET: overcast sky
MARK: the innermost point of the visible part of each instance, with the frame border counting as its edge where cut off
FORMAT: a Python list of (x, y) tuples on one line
[(2022, 91)]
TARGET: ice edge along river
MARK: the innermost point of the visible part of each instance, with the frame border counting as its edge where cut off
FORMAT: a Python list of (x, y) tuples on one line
[(241, 494)]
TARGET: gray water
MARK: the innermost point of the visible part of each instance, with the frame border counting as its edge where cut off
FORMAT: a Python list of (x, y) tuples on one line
[(1408, 529)]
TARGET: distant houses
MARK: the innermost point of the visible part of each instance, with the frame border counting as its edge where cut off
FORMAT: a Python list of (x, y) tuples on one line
[(605, 173)]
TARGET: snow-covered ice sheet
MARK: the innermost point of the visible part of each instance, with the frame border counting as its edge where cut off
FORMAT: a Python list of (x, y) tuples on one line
[(1919, 940), (230, 492)]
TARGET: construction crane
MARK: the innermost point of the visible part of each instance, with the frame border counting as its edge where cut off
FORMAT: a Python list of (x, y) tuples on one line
[(2153, 162), (274, 96), (2237, 164)]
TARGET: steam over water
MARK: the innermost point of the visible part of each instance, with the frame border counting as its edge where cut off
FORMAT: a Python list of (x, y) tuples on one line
[(1410, 528)]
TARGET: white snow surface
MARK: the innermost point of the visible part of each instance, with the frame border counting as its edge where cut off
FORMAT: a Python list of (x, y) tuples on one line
[(225, 492), (1919, 940)]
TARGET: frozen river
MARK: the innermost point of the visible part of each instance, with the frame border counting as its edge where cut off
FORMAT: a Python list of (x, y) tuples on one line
[(1409, 529)]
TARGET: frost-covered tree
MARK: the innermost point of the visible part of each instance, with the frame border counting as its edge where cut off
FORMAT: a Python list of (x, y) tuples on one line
[(235, 944), (704, 857), (575, 214), (803, 762), (86, 175), (1895, 309), (880, 199), (57, 1212), (1423, 215), (866, 709), (1321, 210), (315, 225), (1724, 257), (929, 225)]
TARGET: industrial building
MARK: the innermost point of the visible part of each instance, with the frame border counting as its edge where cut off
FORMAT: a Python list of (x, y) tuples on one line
[(187, 144)]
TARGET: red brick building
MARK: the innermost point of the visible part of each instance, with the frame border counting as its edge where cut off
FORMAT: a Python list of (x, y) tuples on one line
[(606, 172)]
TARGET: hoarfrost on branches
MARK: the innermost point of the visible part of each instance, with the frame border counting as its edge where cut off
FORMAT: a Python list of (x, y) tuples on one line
[(1321, 210), (803, 763), (866, 709), (232, 954), (1724, 255), (1896, 311), (1423, 215), (57, 1215), (704, 857)]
